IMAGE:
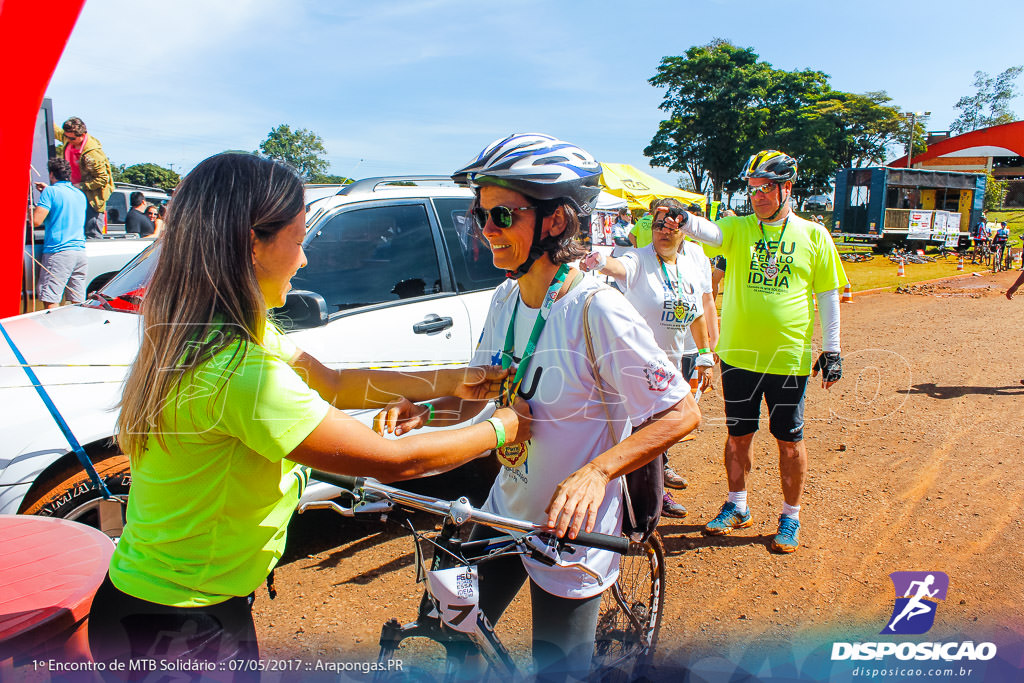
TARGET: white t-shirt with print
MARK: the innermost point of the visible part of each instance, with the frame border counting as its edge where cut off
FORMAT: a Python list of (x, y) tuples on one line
[(657, 301), (569, 422)]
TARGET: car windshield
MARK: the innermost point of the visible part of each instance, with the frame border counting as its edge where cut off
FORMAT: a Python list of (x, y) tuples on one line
[(127, 289)]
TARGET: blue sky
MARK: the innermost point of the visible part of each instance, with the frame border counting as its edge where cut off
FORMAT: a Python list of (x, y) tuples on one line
[(420, 86)]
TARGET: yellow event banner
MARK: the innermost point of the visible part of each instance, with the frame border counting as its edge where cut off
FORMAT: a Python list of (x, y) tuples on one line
[(639, 189)]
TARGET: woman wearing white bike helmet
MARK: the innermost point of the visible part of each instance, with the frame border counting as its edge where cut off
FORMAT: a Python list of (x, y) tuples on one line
[(533, 193)]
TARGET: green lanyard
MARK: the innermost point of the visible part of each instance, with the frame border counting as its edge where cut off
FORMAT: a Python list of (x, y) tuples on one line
[(773, 260), (674, 285), (531, 345)]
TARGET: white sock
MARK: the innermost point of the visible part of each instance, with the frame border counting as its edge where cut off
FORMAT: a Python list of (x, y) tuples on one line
[(791, 510), (739, 499)]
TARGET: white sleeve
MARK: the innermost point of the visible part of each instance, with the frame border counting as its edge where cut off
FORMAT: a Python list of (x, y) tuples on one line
[(631, 262), (703, 230), (630, 361), (828, 307), (705, 270)]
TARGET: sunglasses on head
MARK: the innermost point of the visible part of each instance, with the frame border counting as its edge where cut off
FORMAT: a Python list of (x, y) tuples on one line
[(763, 189), (501, 216)]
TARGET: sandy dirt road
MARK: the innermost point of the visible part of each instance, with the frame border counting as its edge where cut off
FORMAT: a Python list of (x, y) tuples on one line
[(915, 465)]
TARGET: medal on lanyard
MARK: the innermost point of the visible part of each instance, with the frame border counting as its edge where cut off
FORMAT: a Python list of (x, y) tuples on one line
[(513, 455), (772, 269)]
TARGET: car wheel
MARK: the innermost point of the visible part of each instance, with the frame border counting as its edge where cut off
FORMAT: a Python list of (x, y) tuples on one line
[(70, 495)]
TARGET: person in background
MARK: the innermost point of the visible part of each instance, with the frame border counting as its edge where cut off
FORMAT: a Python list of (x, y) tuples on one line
[(640, 236), (137, 221), (779, 262), (61, 212), (620, 230), (159, 221), (999, 239), (665, 283), (90, 171)]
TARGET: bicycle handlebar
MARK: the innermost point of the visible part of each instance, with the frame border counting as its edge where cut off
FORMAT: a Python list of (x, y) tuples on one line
[(461, 512)]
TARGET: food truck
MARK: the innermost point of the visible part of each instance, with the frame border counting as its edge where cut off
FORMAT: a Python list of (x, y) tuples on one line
[(909, 207)]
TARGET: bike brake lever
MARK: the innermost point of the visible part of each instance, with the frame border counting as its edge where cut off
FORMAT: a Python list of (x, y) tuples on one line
[(550, 555)]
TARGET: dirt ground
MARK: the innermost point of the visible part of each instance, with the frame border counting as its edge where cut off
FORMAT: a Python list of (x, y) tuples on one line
[(914, 465)]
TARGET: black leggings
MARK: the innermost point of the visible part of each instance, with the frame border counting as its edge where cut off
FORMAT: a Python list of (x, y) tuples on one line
[(563, 628), (201, 643)]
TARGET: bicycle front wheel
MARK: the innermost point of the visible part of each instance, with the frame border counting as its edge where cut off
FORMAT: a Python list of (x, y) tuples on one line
[(631, 610)]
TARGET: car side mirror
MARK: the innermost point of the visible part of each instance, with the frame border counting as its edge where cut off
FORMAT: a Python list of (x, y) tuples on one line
[(302, 310), (114, 216)]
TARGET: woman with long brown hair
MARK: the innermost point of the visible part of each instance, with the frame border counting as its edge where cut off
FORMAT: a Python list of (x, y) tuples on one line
[(220, 409)]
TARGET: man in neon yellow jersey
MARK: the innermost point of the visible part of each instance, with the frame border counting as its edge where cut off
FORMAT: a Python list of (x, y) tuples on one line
[(777, 263)]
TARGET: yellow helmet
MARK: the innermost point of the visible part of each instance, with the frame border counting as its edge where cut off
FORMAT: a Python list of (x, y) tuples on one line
[(771, 164)]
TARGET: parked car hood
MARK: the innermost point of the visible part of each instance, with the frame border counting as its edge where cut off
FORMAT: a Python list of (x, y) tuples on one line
[(80, 355)]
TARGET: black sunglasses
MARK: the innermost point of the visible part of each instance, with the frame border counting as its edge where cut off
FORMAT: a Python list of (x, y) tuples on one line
[(501, 216)]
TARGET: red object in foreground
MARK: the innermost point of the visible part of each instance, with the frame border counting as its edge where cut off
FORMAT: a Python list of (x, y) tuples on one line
[(32, 36), (49, 571)]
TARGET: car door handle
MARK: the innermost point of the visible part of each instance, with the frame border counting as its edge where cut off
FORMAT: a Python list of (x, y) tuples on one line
[(432, 324)]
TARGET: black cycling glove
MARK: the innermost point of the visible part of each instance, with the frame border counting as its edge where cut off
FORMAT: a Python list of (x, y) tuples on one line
[(830, 364)]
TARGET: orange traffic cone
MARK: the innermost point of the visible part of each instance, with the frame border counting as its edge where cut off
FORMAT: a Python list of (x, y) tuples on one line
[(847, 297), (900, 272), (960, 264)]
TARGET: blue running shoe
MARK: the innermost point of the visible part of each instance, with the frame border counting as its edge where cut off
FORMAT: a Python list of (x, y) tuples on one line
[(787, 540), (727, 520)]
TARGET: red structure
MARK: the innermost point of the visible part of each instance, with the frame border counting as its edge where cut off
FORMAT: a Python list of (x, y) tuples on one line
[(32, 39), (974, 151)]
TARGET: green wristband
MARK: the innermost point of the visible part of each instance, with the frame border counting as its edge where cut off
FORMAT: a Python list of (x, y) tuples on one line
[(499, 430), (430, 413), (698, 351)]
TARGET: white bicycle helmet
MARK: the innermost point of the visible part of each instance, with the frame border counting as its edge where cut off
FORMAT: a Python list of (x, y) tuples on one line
[(543, 168)]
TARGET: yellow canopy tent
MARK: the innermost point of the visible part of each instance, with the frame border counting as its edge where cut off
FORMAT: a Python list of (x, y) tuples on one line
[(638, 188)]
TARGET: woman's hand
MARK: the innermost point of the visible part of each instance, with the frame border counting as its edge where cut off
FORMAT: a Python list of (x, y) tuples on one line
[(595, 260), (517, 421), (704, 377), (400, 417), (574, 505), (481, 382)]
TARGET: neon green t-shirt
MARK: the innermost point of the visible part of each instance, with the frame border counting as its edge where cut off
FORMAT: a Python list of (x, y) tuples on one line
[(642, 231), (768, 318), (208, 514)]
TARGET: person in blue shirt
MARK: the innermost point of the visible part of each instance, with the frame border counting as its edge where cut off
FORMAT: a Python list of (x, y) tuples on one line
[(61, 212)]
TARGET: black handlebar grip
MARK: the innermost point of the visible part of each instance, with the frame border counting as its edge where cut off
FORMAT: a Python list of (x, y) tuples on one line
[(616, 544), (345, 481)]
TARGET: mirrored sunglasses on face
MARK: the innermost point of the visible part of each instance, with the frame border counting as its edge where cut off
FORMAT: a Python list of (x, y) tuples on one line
[(763, 189), (501, 216)]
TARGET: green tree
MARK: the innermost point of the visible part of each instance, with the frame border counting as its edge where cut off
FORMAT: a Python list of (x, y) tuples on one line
[(147, 174), (302, 149), (327, 179), (707, 98), (990, 103), (724, 104), (995, 191)]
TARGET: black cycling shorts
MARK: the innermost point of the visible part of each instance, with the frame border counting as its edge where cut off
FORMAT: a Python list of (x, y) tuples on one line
[(784, 394)]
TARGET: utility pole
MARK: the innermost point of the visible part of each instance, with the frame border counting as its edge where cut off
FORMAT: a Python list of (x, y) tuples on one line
[(912, 115)]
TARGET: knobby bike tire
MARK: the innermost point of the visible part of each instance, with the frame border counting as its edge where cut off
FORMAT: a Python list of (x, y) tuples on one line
[(631, 612)]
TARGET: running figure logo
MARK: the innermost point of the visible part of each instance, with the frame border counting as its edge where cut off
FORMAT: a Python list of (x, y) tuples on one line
[(917, 594)]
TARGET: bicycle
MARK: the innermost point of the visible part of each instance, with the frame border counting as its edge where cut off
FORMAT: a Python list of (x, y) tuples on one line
[(997, 256), (854, 257), (448, 614)]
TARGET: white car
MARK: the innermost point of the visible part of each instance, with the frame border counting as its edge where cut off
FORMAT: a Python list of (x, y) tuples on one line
[(393, 281)]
